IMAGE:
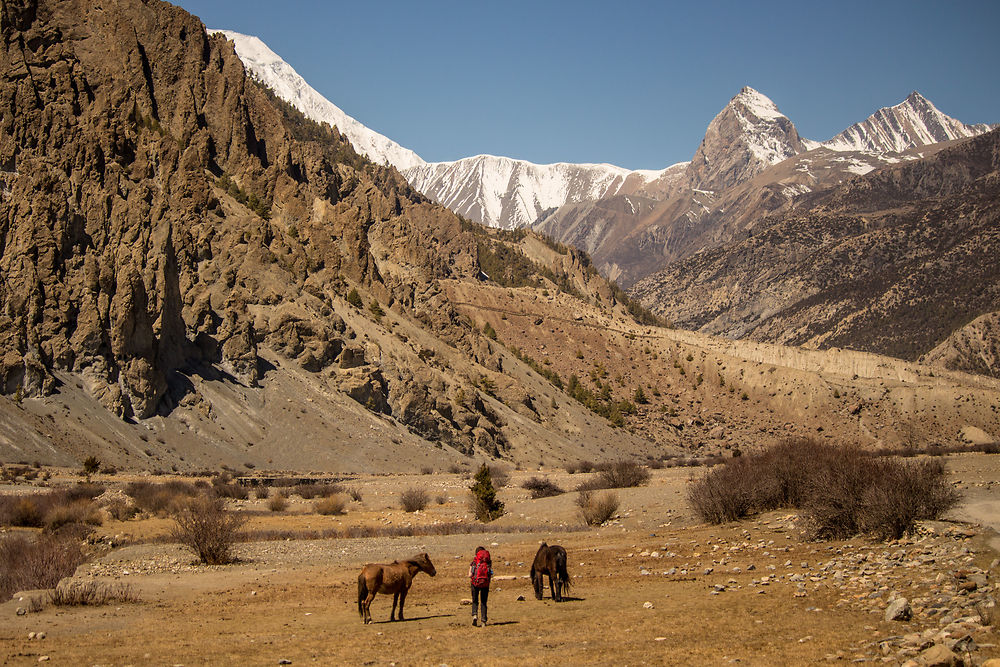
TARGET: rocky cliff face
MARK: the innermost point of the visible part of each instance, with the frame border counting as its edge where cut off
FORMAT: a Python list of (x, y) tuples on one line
[(173, 235), (161, 214), (891, 262)]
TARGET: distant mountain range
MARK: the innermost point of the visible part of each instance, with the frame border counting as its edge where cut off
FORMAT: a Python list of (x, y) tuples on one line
[(509, 193)]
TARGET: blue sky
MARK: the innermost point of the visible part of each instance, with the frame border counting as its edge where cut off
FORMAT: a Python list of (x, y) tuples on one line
[(625, 82)]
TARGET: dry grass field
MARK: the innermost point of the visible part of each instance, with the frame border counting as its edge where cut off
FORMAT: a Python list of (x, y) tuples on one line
[(653, 586)]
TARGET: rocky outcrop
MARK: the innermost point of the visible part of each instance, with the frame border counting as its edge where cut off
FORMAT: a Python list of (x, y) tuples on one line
[(974, 348), (161, 212)]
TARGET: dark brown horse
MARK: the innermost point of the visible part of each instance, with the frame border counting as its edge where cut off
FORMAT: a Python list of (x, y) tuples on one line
[(395, 578), (550, 561)]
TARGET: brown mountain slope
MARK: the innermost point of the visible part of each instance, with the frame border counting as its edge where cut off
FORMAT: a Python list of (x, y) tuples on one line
[(192, 275), (892, 262)]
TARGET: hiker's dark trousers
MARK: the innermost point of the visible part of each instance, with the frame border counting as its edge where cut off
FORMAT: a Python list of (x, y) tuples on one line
[(479, 596)]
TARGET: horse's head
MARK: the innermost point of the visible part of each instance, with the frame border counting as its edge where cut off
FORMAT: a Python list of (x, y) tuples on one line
[(423, 561)]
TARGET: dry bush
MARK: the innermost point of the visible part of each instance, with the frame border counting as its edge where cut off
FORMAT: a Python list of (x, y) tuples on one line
[(571, 468), (843, 491), (223, 487), (427, 470), (27, 563), (441, 499), (457, 469), (622, 473), (585, 466), (542, 487), (92, 593), (500, 475), (277, 503), (21, 511), (413, 499), (725, 494), (595, 508), (308, 491), (208, 528), (161, 499), (75, 511), (261, 492), (355, 494), (331, 505)]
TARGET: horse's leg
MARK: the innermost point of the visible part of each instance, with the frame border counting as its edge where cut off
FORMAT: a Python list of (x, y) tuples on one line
[(558, 594), (368, 604), (552, 585), (402, 599)]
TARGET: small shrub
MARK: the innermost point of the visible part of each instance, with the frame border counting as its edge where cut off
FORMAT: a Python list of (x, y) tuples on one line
[(585, 466), (441, 499), (427, 470), (308, 491), (541, 487), (261, 492), (92, 593), (277, 503), (354, 298), (355, 495), (76, 511), (91, 465), (456, 469), (28, 563), (500, 475), (571, 468), (331, 505), (484, 502), (616, 475), (208, 528), (595, 508), (413, 499), (160, 499)]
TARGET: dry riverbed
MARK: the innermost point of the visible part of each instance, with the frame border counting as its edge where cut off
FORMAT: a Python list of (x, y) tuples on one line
[(653, 586)]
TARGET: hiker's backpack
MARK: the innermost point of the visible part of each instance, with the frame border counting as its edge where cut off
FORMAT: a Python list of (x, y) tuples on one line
[(481, 574)]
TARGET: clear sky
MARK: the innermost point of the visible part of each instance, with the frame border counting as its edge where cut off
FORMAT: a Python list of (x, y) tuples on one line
[(626, 82)]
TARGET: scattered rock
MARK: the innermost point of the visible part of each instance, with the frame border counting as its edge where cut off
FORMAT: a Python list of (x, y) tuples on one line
[(940, 655), (899, 610), (647, 605)]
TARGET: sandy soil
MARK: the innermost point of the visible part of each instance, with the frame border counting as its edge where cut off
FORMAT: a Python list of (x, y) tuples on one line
[(752, 592)]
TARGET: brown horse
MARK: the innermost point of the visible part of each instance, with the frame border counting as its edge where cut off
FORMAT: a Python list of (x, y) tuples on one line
[(550, 561), (395, 578)]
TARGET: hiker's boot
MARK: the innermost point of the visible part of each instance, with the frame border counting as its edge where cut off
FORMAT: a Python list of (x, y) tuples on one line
[(475, 621)]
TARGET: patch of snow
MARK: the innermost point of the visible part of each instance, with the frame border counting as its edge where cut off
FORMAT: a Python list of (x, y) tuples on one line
[(266, 66)]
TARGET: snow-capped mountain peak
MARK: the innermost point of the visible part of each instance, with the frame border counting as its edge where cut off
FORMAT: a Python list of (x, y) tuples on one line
[(911, 123), (270, 69), (749, 135)]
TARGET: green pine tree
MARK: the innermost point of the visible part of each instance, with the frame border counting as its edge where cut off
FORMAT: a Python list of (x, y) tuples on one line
[(485, 504)]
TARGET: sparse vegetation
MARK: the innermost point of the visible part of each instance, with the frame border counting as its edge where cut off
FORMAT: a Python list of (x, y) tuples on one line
[(208, 528), (500, 475), (843, 491), (331, 505), (542, 487), (354, 298), (163, 498), (619, 474), (28, 562), (277, 503), (92, 593), (595, 508), (413, 499)]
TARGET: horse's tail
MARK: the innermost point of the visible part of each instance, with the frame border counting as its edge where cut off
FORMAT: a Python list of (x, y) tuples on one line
[(561, 572), (362, 593)]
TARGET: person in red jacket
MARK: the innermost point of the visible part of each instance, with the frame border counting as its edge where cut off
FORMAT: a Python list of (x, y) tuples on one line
[(480, 573)]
